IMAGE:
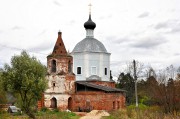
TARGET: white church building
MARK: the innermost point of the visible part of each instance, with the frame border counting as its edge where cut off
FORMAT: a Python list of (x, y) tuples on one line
[(91, 61)]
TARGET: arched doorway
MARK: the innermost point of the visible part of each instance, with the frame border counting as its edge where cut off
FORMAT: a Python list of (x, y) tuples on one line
[(70, 103), (53, 103)]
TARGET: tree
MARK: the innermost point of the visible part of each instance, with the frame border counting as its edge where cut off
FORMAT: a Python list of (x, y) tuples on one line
[(126, 82), (165, 91), (139, 69), (146, 91), (25, 78), (2, 92)]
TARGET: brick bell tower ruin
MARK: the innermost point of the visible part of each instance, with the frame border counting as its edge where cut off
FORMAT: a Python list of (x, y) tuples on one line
[(60, 77)]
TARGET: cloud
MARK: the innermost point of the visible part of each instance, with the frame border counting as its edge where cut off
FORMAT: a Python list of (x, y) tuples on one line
[(1, 64), (41, 33), (176, 29), (177, 54), (72, 22), (105, 17), (161, 25), (40, 48), (17, 28), (118, 41), (149, 42), (56, 3), (145, 14), (116, 63), (173, 26)]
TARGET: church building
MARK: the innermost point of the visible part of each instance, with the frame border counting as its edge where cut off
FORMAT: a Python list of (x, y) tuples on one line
[(80, 80)]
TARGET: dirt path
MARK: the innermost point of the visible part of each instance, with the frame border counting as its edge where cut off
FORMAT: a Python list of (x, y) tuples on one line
[(95, 114), (91, 117)]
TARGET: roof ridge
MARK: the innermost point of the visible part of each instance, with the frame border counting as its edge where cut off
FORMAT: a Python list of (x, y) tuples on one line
[(101, 87)]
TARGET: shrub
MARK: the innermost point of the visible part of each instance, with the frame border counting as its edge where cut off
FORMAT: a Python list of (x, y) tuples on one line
[(140, 106), (55, 110), (44, 109), (17, 113)]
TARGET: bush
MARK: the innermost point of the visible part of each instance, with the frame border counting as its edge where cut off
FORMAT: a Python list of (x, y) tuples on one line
[(140, 106), (55, 110), (44, 109), (17, 113), (2, 111)]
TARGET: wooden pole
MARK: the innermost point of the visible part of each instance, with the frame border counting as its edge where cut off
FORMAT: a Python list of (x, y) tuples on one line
[(135, 77)]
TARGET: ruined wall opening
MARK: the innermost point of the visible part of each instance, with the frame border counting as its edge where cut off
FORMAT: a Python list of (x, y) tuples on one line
[(70, 103), (88, 107), (69, 67), (53, 66), (53, 103), (114, 105), (118, 104)]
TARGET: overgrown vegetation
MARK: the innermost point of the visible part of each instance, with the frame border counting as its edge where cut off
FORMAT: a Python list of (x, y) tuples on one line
[(158, 89), (144, 112)]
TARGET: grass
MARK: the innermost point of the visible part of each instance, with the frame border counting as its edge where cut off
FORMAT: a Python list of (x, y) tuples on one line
[(143, 112), (43, 114)]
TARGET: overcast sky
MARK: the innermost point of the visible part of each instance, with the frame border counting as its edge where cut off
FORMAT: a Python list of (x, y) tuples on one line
[(144, 30)]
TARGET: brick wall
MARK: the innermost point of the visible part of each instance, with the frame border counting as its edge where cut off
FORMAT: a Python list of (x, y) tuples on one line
[(104, 83), (83, 101)]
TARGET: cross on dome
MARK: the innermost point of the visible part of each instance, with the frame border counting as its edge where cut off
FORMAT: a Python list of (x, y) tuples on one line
[(90, 5)]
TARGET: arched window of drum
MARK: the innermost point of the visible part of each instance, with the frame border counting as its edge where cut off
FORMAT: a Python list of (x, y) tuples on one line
[(53, 66), (69, 67), (105, 71)]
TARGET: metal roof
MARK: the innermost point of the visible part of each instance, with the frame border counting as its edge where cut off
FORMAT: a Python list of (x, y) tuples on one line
[(100, 87), (89, 44), (94, 77)]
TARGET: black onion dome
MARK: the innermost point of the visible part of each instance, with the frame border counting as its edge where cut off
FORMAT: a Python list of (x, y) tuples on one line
[(89, 24)]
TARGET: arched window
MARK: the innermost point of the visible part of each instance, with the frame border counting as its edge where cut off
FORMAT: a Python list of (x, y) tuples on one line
[(53, 66), (114, 105), (105, 71), (69, 67), (78, 70), (118, 104)]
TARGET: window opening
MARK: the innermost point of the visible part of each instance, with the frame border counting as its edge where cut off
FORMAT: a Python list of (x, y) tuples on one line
[(105, 71), (78, 70), (69, 67), (114, 105), (53, 66), (118, 104)]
